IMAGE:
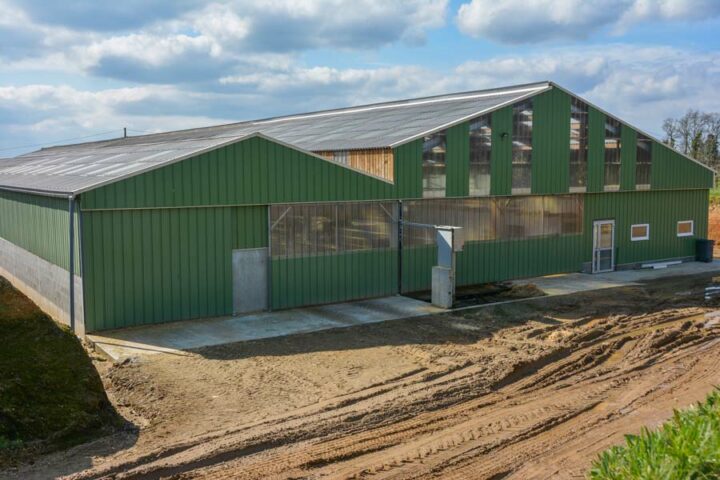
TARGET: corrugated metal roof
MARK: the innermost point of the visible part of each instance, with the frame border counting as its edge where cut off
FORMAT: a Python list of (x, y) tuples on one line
[(80, 167)]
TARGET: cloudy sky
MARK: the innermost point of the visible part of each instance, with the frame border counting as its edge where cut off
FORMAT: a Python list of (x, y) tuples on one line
[(86, 68)]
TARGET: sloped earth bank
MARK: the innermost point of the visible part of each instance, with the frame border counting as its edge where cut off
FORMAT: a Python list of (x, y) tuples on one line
[(526, 390)]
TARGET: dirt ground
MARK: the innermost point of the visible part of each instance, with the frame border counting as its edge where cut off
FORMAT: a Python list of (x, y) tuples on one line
[(533, 389)]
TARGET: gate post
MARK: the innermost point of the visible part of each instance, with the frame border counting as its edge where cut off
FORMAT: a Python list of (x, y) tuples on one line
[(449, 240)]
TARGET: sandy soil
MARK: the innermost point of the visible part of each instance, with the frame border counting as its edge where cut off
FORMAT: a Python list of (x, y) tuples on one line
[(527, 390)]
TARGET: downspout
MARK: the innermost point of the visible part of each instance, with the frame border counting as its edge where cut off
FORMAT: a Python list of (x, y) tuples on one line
[(71, 266)]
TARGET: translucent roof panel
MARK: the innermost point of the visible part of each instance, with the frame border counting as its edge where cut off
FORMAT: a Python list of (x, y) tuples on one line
[(76, 168)]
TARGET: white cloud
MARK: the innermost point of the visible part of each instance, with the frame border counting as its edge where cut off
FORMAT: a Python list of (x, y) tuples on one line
[(37, 114), (201, 44), (360, 82), (152, 50), (641, 10), (527, 21), (643, 88)]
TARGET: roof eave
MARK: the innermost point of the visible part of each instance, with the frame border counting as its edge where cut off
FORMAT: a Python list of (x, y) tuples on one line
[(38, 191)]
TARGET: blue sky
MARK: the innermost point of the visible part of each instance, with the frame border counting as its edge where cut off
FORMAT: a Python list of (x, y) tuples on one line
[(83, 68)]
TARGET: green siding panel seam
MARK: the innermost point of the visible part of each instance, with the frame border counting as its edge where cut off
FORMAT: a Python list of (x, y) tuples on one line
[(628, 153), (551, 142), (408, 169), (458, 160), (501, 153), (596, 150)]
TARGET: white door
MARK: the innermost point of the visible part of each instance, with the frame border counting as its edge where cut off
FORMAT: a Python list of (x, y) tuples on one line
[(249, 280), (603, 246)]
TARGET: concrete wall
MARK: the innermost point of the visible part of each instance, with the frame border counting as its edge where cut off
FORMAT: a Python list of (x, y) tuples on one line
[(43, 282)]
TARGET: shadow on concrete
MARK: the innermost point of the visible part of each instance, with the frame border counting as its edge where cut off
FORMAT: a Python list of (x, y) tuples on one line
[(468, 326)]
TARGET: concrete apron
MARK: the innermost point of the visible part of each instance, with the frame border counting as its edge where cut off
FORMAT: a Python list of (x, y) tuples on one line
[(177, 337)]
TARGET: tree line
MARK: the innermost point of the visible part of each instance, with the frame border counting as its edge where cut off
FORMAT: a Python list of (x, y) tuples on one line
[(695, 134)]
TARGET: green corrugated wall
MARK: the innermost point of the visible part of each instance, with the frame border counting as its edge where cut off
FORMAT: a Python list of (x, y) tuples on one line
[(408, 169), (157, 247), (661, 209), (501, 153), (551, 154), (334, 278), (672, 170), (504, 260), (40, 225), (157, 265), (596, 150), (628, 154), (551, 142), (191, 275), (458, 160), (491, 261)]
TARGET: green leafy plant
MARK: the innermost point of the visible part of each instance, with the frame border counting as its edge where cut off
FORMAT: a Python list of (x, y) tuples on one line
[(685, 447)]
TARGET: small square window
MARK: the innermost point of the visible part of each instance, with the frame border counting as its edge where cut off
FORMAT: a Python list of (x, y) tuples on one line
[(685, 228), (639, 232)]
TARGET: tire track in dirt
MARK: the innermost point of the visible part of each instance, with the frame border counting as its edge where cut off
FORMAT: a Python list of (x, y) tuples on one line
[(442, 433), (515, 391), (439, 445), (504, 427)]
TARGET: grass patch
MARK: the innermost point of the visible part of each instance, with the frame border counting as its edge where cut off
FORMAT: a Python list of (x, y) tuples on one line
[(685, 447), (51, 396), (715, 196)]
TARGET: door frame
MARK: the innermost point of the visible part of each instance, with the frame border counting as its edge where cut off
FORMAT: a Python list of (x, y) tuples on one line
[(595, 250), (247, 284)]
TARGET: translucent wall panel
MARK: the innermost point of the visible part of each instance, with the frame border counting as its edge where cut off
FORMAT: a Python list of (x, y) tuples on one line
[(520, 217), (578, 145), (522, 146), (475, 215), (612, 154), (434, 165), (500, 218), (301, 230), (480, 150)]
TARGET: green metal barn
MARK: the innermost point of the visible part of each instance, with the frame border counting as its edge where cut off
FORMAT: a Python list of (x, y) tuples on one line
[(323, 207)]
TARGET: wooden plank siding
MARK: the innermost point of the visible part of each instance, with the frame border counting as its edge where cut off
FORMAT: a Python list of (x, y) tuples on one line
[(375, 161)]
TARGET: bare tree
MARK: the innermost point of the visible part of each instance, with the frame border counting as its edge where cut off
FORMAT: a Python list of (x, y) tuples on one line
[(696, 134), (671, 131)]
